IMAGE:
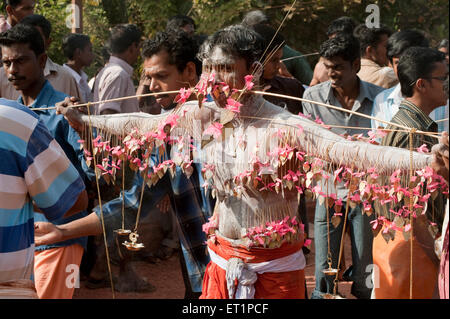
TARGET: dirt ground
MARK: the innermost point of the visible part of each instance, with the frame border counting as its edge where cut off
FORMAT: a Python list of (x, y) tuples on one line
[(166, 276)]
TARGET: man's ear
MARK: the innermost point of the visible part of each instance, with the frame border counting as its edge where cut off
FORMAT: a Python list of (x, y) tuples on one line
[(9, 10), (42, 59), (420, 85), (47, 43), (369, 52), (190, 73), (76, 53), (356, 65)]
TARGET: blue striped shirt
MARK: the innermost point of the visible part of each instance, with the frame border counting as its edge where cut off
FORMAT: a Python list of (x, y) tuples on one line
[(33, 168)]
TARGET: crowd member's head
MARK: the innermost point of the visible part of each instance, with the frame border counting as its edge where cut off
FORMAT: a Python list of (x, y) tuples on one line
[(341, 25), (78, 48), (422, 73), (443, 47), (373, 42), (18, 9), (181, 22), (402, 40), (125, 42), (273, 47), (42, 24), (255, 17), (232, 54), (170, 63), (341, 58), (24, 57)]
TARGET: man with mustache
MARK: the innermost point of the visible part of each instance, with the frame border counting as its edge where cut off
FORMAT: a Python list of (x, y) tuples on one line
[(24, 58), (341, 57)]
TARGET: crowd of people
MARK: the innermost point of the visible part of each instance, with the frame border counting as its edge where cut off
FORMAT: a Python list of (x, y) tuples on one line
[(48, 205)]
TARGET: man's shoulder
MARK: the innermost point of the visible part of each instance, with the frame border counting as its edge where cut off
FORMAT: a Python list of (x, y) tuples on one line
[(372, 89), (7, 105), (56, 96), (318, 90), (111, 72)]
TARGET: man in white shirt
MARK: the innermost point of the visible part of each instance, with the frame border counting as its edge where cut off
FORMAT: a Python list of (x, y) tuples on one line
[(78, 50), (386, 103), (115, 79)]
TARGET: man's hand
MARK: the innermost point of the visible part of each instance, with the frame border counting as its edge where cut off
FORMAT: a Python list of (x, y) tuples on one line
[(71, 114), (46, 233), (164, 204)]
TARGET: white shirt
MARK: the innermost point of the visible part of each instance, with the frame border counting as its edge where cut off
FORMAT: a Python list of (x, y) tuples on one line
[(114, 81), (385, 105), (82, 81)]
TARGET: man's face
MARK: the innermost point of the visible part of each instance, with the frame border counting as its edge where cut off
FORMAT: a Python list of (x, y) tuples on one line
[(24, 9), (395, 61), (86, 55), (435, 84), (272, 65), (341, 72), (162, 76), (21, 65), (379, 54)]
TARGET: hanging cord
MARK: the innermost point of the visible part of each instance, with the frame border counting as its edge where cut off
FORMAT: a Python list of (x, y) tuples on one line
[(123, 194), (140, 200), (336, 279), (411, 218), (100, 205)]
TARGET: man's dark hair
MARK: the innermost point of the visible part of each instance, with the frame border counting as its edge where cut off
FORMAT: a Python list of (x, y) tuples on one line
[(23, 34), (273, 40), (402, 40), (12, 3), (416, 63), (74, 41), (180, 47), (38, 20), (122, 36), (370, 36), (237, 41), (343, 45), (255, 17), (178, 22), (341, 25)]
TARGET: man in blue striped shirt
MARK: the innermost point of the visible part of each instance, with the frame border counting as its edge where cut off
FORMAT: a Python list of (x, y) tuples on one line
[(34, 171), (24, 60)]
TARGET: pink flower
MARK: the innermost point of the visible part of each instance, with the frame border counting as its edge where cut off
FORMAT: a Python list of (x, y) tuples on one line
[(307, 242), (183, 96), (423, 149), (172, 120), (215, 129), (233, 105), (248, 82)]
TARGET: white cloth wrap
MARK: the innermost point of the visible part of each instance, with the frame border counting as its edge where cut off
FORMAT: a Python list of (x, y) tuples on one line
[(246, 273)]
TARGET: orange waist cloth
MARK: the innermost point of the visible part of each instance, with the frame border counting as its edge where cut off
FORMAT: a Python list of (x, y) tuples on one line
[(285, 285), (393, 261)]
